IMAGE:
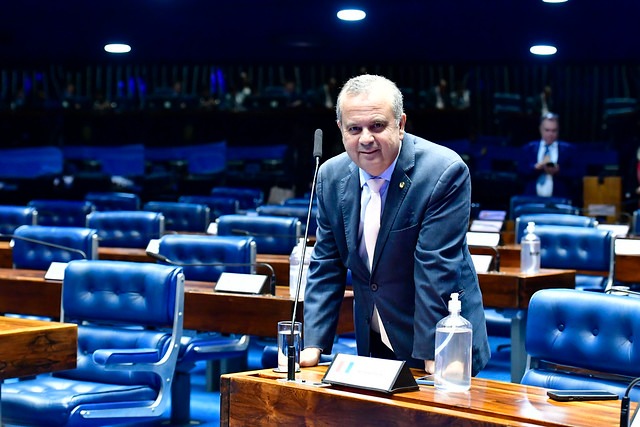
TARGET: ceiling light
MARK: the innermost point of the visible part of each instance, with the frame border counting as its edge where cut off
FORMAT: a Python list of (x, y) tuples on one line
[(542, 49), (351, 15), (554, 1), (117, 48)]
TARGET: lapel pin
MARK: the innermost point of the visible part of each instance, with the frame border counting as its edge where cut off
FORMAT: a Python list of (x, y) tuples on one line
[(402, 184)]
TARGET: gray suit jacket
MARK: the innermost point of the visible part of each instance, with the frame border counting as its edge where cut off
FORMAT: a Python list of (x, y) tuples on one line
[(421, 254)]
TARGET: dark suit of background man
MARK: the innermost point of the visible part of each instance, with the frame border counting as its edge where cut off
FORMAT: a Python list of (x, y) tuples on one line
[(546, 164), (421, 254)]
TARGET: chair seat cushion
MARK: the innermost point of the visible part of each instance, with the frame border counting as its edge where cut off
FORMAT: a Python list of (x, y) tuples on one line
[(51, 398)]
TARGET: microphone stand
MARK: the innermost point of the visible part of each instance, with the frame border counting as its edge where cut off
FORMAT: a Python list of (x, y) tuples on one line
[(272, 278), (291, 351)]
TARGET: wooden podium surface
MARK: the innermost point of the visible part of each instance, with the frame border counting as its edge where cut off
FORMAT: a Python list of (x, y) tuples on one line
[(257, 398)]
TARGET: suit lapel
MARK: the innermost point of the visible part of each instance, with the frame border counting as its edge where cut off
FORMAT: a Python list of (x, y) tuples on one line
[(350, 190), (396, 192)]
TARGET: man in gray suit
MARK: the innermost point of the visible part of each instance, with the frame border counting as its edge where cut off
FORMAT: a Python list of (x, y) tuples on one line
[(421, 255)]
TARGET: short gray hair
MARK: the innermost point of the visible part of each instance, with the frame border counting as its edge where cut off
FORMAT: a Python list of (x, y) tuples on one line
[(366, 83)]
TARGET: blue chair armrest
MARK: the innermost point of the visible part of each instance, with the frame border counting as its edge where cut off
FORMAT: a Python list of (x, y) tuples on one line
[(126, 356)]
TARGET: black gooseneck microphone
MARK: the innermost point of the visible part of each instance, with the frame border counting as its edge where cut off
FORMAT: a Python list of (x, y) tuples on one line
[(44, 243), (272, 279), (291, 356), (624, 406)]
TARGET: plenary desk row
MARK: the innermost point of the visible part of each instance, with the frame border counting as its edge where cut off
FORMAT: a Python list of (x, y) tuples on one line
[(257, 398), (28, 292), (626, 266)]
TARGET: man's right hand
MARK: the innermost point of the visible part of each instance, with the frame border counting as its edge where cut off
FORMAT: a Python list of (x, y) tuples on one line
[(309, 356)]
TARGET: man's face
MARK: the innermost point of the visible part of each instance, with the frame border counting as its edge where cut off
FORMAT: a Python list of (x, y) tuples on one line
[(370, 134), (549, 131)]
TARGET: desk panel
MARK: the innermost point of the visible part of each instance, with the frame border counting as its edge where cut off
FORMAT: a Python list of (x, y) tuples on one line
[(258, 399), (627, 268)]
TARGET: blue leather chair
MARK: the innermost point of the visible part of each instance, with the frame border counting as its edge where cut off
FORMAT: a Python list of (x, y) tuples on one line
[(296, 211), (114, 201), (67, 213), (180, 216), (11, 217), (583, 340), (299, 201), (248, 198), (518, 200), (551, 219), (198, 250), (536, 208), (586, 249), (273, 234), (130, 318), (37, 246), (218, 205), (126, 229)]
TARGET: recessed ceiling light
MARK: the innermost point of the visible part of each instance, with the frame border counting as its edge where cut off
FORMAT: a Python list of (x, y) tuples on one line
[(554, 1), (351, 14), (117, 48), (542, 49)]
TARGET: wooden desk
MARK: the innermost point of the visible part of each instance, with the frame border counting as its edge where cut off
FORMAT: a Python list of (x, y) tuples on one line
[(27, 292), (256, 398), (31, 347)]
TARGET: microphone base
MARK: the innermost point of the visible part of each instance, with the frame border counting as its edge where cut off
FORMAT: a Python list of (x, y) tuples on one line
[(303, 382)]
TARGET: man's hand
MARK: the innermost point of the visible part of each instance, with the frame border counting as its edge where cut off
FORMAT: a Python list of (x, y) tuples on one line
[(429, 366), (309, 356)]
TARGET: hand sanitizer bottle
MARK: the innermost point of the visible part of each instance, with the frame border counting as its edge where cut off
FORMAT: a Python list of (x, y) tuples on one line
[(453, 350), (530, 251)]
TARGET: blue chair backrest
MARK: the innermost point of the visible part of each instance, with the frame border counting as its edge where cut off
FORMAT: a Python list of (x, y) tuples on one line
[(248, 198), (31, 251), (273, 234), (635, 223), (114, 201), (122, 294), (591, 333), (533, 208), (588, 249), (552, 219), (68, 213), (218, 205), (518, 200), (11, 217), (297, 211), (180, 216), (126, 229), (200, 250)]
